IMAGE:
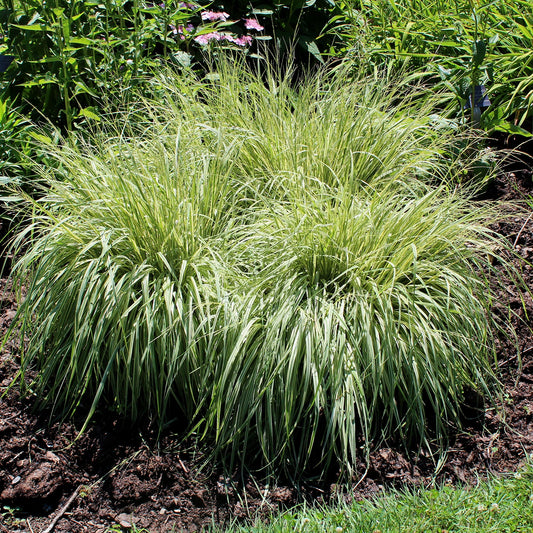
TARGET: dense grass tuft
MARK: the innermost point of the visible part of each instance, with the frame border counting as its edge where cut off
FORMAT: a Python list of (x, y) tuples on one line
[(268, 264)]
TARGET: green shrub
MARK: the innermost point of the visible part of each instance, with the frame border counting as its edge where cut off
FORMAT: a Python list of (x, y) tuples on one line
[(286, 317)]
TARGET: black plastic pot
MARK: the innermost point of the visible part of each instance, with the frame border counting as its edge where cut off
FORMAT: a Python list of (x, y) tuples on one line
[(5, 61)]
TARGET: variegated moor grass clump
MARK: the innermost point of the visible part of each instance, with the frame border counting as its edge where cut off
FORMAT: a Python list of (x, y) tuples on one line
[(271, 264)]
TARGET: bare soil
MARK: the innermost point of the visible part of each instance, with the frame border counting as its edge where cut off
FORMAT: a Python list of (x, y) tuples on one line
[(121, 475)]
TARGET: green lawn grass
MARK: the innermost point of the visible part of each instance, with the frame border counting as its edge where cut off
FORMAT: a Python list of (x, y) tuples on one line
[(502, 504)]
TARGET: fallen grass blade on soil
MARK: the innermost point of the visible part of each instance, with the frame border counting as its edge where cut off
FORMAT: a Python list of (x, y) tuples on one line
[(290, 306)]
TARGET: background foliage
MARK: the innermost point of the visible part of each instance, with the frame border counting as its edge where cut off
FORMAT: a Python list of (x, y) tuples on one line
[(73, 59), (453, 45)]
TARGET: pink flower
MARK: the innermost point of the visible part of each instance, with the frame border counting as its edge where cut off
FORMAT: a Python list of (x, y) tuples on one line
[(214, 16), (253, 24), (186, 5), (240, 41), (217, 36), (206, 37), (243, 40)]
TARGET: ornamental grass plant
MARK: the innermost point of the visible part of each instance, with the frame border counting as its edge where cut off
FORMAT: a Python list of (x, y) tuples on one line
[(328, 126), (374, 320), (291, 302)]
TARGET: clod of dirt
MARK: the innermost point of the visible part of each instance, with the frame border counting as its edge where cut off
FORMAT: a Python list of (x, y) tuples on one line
[(44, 482), (125, 520)]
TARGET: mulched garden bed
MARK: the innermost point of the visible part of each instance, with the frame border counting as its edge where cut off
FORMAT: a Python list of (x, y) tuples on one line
[(120, 475)]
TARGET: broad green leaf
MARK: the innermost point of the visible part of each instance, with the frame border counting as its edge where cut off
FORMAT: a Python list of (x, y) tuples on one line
[(265, 12), (41, 137), (182, 58), (88, 113), (52, 59), (82, 41), (508, 127), (40, 81), (34, 27), (81, 87), (311, 46)]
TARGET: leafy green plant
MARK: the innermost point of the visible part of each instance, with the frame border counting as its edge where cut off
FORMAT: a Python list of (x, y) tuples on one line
[(463, 44), (8, 517), (512, 92), (287, 312), (74, 59), (16, 146), (15, 141)]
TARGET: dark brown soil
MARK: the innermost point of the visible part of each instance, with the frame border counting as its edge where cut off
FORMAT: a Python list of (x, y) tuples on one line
[(117, 475)]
